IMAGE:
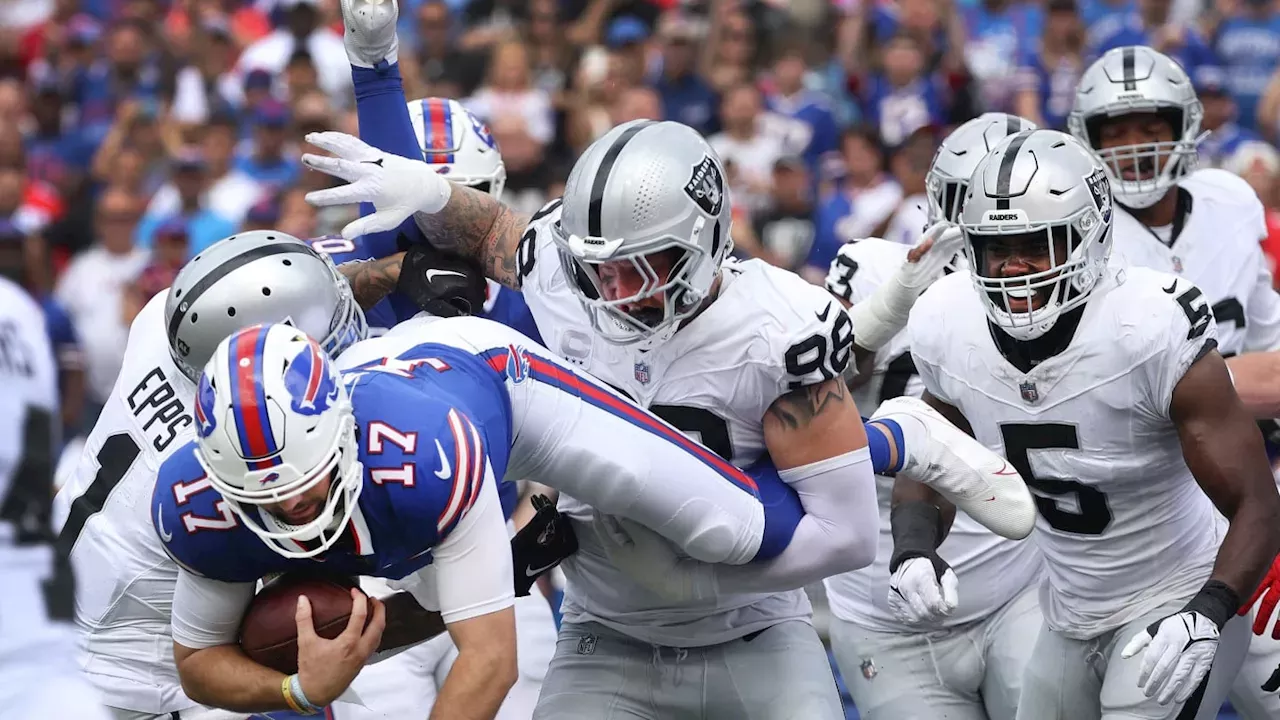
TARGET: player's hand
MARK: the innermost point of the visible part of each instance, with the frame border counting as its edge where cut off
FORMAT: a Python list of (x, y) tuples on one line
[(327, 667), (1179, 654), (1269, 592), (397, 187), (937, 247), (541, 544), (923, 590)]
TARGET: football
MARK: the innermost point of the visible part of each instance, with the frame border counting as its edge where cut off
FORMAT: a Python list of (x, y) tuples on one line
[(269, 631)]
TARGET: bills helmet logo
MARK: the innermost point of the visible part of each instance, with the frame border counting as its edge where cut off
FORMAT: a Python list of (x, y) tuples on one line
[(706, 186), (482, 131), (517, 364), (1100, 188), (310, 382), (205, 399), (270, 478)]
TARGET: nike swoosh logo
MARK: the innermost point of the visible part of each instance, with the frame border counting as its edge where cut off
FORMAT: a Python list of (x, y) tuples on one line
[(377, 162), (433, 274), (166, 536), (535, 572), (822, 316), (1002, 470), (1172, 287), (445, 470)]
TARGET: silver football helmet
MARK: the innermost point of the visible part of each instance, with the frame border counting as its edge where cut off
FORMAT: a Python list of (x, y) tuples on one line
[(1045, 187), (959, 154), (643, 189), (1137, 79), (255, 277)]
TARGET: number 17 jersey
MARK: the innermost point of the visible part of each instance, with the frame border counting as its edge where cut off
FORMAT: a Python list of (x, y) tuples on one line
[(1123, 525)]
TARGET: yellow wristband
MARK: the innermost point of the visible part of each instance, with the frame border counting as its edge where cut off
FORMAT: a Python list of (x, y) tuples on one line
[(289, 699)]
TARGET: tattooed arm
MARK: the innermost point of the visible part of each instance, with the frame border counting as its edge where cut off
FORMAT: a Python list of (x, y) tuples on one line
[(372, 280), (475, 225), (813, 423)]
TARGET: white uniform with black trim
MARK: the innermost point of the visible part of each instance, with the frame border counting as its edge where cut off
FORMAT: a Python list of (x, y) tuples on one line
[(38, 675), (714, 379), (1219, 250), (973, 668), (1128, 536)]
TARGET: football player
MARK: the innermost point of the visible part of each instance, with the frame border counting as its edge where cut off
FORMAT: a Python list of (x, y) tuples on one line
[(390, 470), (906, 644), (1103, 385), (757, 339), (1138, 111), (37, 639)]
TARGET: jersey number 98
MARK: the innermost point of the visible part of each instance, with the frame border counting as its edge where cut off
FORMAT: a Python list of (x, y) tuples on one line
[(827, 355), (1067, 505)]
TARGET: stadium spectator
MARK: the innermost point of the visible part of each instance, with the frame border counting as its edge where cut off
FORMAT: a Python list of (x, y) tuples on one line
[(199, 222), (1247, 43), (909, 165), (785, 229), (269, 158), (1000, 34), (207, 85), (791, 99), (746, 143), (1150, 24), (447, 70), (303, 29), (686, 96), (1221, 115), (905, 96), (1045, 85)]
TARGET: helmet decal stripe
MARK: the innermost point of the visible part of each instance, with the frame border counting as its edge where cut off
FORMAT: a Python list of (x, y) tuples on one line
[(1130, 77), (437, 126), (595, 209), (1012, 126), (188, 300), (1005, 178), (249, 402)]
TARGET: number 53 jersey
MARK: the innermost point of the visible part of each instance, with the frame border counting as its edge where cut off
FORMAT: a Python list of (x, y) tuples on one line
[(1123, 526)]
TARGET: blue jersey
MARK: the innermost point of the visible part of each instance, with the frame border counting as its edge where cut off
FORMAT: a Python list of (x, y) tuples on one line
[(426, 423), (1249, 48)]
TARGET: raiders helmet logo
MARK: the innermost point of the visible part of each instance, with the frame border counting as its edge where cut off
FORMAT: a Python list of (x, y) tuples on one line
[(1100, 188), (706, 186)]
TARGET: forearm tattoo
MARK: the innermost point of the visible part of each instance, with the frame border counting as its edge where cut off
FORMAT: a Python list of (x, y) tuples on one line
[(796, 409), (475, 225), (372, 280)]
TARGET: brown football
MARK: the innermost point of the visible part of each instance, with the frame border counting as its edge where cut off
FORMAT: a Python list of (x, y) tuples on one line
[(269, 631)]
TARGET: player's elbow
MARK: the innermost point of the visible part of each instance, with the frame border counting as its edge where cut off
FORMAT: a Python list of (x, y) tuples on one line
[(192, 665)]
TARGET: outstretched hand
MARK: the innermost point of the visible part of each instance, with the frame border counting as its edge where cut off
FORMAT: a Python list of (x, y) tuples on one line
[(397, 187)]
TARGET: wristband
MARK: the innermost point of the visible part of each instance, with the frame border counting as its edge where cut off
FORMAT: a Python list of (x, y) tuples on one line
[(296, 699), (1216, 601), (917, 531)]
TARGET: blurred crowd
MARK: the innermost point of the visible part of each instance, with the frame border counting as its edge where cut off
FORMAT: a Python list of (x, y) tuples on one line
[(134, 133)]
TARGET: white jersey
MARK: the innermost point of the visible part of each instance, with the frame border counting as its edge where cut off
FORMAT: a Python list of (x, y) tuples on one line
[(768, 331), (992, 570), (1219, 250), (36, 609), (1123, 526), (126, 579)]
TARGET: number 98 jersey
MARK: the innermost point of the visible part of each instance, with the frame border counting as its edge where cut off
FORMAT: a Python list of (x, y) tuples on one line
[(1123, 526), (125, 578)]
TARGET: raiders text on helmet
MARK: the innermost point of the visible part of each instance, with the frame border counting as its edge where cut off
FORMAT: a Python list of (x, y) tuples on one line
[(1131, 80), (1044, 187), (645, 187)]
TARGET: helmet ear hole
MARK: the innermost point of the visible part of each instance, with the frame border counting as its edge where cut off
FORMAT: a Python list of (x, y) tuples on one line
[(715, 241)]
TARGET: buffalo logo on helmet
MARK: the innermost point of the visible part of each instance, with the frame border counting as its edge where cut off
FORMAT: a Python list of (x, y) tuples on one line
[(1100, 188), (205, 399), (309, 382), (706, 186), (483, 131)]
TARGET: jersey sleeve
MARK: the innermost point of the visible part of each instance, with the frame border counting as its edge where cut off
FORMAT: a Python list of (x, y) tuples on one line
[(199, 530), (815, 336), (1183, 330), (208, 613), (471, 572), (861, 267)]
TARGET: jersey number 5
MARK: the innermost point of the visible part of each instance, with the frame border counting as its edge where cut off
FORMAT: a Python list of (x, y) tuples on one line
[(1068, 505)]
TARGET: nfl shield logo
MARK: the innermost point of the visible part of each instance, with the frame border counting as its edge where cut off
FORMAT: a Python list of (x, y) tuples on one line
[(868, 669), (1029, 392), (587, 645), (642, 373), (1177, 264)]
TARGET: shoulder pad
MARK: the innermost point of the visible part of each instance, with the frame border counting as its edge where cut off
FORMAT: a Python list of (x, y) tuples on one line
[(200, 531)]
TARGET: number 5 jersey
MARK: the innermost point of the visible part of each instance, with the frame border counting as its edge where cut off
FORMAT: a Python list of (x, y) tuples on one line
[(1123, 525)]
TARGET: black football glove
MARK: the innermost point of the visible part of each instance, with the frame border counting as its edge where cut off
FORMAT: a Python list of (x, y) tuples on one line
[(441, 283), (540, 545)]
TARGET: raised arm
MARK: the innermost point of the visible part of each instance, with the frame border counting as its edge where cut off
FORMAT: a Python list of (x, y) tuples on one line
[(452, 217)]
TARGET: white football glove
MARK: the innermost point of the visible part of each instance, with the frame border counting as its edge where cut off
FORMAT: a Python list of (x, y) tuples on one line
[(397, 187), (918, 595), (653, 561), (1179, 653)]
